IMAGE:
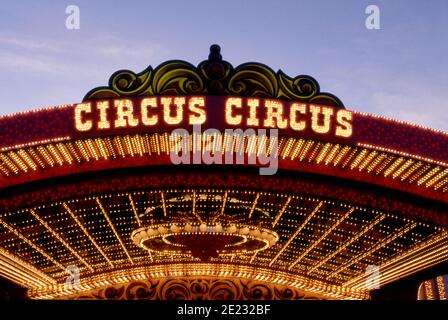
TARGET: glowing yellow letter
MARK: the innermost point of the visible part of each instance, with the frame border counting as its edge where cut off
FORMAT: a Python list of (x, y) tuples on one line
[(344, 127), (315, 112), (295, 109), (231, 103), (274, 111), (253, 105), (197, 106), (146, 120), (81, 125), (125, 114), (179, 103), (102, 107)]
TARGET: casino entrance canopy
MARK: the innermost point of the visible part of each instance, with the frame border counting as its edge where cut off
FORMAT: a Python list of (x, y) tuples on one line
[(92, 205)]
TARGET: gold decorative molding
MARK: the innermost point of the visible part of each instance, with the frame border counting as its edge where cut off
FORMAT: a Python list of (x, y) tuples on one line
[(197, 289), (214, 77), (158, 274)]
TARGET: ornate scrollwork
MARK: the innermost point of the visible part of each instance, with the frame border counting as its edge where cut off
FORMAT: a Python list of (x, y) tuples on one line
[(216, 77), (196, 289), (141, 290), (257, 291), (223, 290)]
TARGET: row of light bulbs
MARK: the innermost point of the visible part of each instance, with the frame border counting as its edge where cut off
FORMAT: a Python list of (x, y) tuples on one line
[(154, 231), (89, 147)]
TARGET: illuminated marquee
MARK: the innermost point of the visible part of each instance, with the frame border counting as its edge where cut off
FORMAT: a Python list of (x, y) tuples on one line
[(196, 110)]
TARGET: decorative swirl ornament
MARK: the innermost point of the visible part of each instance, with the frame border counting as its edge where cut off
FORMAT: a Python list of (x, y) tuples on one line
[(196, 288), (214, 77)]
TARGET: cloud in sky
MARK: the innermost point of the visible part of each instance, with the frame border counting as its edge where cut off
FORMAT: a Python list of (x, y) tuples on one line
[(50, 56), (28, 44), (67, 69)]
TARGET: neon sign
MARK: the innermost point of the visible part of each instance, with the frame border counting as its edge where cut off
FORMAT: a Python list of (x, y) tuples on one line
[(236, 112)]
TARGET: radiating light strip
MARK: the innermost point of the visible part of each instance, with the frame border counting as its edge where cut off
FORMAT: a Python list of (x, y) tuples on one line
[(280, 213), (193, 206), (253, 257), (346, 244), (30, 243), (57, 236), (80, 225), (163, 203), (254, 205), (326, 233), (134, 210), (113, 229), (224, 200), (223, 206), (304, 223), (378, 246)]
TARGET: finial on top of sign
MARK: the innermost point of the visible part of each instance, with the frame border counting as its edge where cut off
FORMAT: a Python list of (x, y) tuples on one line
[(214, 76), (215, 53)]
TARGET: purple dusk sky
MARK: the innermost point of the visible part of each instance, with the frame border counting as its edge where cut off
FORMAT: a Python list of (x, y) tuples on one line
[(400, 70)]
